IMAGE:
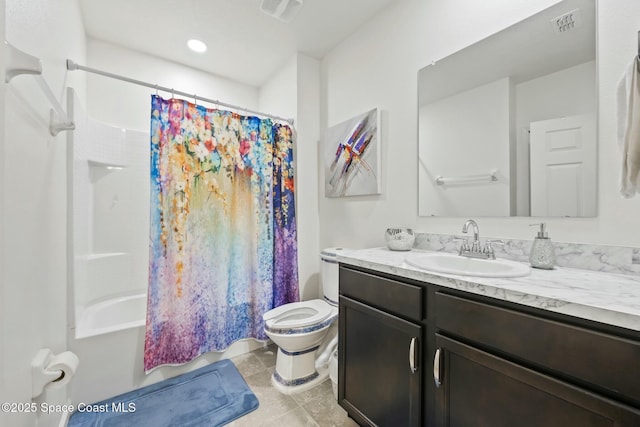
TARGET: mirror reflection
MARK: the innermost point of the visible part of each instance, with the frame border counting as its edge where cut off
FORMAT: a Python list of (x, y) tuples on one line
[(507, 126)]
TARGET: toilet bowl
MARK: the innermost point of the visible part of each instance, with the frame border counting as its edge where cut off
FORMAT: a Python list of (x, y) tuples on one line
[(305, 333)]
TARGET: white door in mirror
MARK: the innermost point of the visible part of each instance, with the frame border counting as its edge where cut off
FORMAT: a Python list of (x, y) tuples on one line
[(563, 167)]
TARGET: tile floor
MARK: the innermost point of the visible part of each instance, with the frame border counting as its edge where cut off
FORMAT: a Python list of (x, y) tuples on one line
[(315, 407)]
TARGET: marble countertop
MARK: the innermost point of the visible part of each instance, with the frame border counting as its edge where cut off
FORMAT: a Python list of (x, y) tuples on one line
[(602, 297)]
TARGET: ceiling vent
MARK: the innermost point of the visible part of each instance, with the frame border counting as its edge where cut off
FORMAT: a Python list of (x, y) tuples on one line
[(284, 10), (567, 21)]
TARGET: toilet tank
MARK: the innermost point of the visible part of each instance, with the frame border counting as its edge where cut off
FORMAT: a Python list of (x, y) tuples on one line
[(329, 274)]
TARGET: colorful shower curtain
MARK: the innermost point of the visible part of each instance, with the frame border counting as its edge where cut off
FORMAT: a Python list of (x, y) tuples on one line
[(223, 246)]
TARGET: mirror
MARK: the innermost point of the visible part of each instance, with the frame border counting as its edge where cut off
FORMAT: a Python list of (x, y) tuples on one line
[(507, 126)]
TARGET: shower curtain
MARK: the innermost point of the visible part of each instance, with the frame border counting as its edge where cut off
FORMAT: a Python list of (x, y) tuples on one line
[(223, 245)]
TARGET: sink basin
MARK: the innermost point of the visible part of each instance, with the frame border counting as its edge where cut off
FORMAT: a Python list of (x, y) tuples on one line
[(456, 264)]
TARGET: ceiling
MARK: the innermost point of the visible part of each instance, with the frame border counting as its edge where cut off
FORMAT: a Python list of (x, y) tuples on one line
[(244, 44)]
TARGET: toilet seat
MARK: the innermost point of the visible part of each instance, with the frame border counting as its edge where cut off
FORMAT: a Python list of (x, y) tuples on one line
[(297, 315)]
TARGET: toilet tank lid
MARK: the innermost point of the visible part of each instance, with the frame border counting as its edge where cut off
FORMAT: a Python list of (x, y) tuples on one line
[(330, 253)]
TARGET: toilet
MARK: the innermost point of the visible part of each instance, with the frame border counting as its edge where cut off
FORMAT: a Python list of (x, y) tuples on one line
[(306, 333)]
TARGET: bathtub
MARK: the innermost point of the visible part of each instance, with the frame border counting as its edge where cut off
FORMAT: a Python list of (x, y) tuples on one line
[(109, 341), (114, 314)]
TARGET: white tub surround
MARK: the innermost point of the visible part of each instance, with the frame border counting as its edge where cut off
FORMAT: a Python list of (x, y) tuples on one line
[(608, 298), (110, 315)]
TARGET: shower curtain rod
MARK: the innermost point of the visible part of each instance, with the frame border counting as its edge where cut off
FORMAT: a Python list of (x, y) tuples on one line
[(72, 66)]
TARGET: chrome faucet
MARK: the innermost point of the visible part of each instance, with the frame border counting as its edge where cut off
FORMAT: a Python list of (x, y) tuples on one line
[(476, 251), (475, 246)]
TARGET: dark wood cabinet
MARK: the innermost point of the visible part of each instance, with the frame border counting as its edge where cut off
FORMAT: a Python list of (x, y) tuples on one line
[(380, 350), (379, 385), (596, 360), (478, 361), (478, 389)]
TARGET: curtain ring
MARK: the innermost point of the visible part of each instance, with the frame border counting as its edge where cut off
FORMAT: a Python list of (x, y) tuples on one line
[(195, 99), (156, 89), (172, 95)]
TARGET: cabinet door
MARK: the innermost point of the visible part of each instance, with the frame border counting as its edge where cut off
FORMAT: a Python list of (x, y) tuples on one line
[(379, 373), (478, 389)]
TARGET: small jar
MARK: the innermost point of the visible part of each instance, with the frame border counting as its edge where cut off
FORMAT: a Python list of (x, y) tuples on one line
[(399, 239)]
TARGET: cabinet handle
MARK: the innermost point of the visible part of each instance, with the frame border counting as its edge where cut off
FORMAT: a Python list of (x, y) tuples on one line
[(436, 368), (412, 355)]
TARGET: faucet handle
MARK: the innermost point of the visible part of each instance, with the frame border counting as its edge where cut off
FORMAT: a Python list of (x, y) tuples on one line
[(465, 243), (488, 247)]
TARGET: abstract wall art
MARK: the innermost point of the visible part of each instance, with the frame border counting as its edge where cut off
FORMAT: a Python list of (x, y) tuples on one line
[(352, 156)]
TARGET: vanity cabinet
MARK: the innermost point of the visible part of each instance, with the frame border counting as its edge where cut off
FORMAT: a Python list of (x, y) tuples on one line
[(496, 366), (479, 389), (380, 337), (477, 361)]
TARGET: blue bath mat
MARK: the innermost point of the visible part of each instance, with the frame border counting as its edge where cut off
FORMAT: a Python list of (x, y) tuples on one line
[(210, 396)]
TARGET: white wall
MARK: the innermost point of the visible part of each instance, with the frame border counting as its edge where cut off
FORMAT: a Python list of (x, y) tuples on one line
[(34, 198), (378, 64), (568, 92), (128, 105), (279, 94), (293, 92), (466, 134), (4, 320), (307, 161)]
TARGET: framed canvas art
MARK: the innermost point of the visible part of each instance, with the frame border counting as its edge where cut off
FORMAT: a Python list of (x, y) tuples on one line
[(352, 156)]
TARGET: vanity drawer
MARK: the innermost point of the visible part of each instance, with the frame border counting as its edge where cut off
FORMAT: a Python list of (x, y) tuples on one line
[(392, 296), (608, 362)]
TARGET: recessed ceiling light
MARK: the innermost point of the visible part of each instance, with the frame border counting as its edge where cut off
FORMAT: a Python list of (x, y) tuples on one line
[(197, 45)]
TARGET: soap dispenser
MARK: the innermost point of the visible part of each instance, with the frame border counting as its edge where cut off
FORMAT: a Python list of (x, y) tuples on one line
[(542, 253)]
